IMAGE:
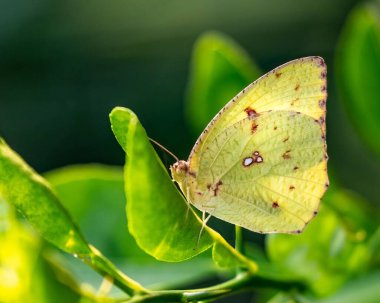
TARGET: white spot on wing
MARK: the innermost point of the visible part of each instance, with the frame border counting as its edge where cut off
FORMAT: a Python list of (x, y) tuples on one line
[(247, 161)]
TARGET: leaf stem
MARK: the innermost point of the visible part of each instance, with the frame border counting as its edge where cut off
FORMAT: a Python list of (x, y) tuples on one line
[(239, 239), (106, 268), (242, 281), (239, 246)]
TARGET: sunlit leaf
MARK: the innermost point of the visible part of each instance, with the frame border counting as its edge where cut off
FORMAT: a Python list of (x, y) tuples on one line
[(219, 70), (18, 255), (24, 275), (156, 210), (358, 72), (158, 216), (95, 193), (94, 196), (33, 197)]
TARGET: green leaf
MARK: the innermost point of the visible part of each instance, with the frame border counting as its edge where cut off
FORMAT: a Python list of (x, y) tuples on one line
[(358, 72), (364, 290), (157, 213), (219, 70), (289, 298), (374, 246), (18, 254), (330, 251), (53, 287), (158, 216), (87, 191), (23, 276), (360, 218), (95, 193), (34, 198)]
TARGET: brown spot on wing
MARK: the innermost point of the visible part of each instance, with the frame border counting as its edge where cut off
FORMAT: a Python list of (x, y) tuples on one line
[(286, 155), (291, 187), (286, 139), (320, 62), (297, 87), (295, 167), (250, 112), (254, 127), (293, 101), (216, 187), (278, 75), (257, 158), (275, 205)]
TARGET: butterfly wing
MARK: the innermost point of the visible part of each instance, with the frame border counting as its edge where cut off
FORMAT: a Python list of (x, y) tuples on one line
[(261, 162)]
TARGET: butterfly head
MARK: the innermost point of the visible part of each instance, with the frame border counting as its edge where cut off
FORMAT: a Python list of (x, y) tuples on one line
[(179, 170)]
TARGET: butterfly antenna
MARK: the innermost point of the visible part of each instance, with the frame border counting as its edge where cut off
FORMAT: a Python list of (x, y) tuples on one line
[(164, 149)]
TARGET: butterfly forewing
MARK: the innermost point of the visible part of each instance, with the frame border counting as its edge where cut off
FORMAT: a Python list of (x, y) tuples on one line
[(261, 162), (299, 85)]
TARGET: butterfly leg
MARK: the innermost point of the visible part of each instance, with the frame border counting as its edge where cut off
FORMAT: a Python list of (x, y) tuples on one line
[(204, 221), (187, 202)]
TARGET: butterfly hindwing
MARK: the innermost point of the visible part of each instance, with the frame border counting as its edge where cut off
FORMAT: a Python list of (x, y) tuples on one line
[(266, 174)]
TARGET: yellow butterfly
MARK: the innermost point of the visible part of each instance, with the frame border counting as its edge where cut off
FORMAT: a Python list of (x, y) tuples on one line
[(261, 163)]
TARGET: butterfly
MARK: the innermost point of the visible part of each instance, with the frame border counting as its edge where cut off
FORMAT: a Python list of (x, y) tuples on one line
[(261, 163)]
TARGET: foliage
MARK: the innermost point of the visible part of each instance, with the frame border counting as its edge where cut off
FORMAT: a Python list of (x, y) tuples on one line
[(358, 67), (219, 69), (336, 259)]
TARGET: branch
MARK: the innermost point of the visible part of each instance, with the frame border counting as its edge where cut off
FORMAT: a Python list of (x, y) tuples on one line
[(241, 282)]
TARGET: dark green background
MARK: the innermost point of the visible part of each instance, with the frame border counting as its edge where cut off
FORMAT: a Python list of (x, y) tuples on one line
[(65, 64)]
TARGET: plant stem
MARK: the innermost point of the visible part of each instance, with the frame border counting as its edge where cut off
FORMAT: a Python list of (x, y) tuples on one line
[(239, 245), (241, 282), (239, 239), (106, 268)]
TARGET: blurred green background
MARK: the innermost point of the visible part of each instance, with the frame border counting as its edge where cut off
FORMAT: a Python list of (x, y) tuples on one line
[(65, 64)]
